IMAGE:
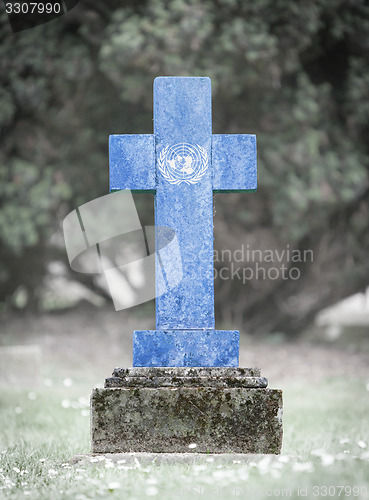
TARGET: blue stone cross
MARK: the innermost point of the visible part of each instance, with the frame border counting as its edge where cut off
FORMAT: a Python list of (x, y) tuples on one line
[(183, 163)]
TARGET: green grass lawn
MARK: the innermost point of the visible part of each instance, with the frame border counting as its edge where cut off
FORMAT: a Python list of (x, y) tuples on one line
[(325, 451)]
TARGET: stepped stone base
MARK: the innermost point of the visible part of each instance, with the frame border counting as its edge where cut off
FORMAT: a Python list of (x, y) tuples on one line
[(165, 410)]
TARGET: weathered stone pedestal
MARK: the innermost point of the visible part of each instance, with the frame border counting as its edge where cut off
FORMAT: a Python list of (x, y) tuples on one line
[(221, 410)]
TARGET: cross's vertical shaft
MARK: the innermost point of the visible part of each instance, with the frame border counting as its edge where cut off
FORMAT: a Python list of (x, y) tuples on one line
[(182, 120)]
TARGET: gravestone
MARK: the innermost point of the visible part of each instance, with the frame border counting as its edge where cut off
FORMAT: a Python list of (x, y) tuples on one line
[(185, 386)]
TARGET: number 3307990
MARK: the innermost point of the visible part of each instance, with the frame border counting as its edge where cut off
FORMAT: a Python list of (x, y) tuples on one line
[(33, 8)]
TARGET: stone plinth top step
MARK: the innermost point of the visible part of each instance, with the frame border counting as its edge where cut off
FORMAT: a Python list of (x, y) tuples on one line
[(227, 381), (186, 377), (186, 372)]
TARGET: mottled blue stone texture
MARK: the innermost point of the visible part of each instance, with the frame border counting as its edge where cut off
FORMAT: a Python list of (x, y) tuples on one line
[(182, 113), (185, 348), (132, 162), (234, 162), (185, 332)]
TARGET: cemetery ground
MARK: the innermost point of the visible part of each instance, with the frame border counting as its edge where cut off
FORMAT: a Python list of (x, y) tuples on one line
[(44, 425)]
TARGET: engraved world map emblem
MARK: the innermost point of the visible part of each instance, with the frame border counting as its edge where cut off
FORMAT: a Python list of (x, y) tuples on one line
[(183, 163)]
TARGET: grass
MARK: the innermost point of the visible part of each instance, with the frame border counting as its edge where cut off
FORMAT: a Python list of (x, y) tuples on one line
[(325, 451)]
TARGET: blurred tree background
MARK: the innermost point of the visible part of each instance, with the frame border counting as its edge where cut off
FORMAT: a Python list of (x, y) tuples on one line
[(294, 73)]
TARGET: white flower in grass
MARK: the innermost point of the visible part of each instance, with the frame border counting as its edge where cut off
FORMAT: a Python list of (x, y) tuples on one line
[(340, 456), (42, 460), (225, 474), (361, 444), (210, 459), (277, 465), (109, 465), (65, 403), (344, 440), (275, 473), (18, 410), (15, 469), (26, 492), (94, 459), (67, 382), (264, 464), (123, 461), (367, 386), (114, 485), (303, 467), (200, 467), (318, 453), (243, 474), (327, 460), (85, 413), (52, 472), (8, 483), (83, 401), (152, 480), (218, 473), (152, 491), (192, 446)]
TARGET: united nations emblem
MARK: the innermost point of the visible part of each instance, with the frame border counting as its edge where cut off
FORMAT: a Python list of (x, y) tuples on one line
[(183, 163)]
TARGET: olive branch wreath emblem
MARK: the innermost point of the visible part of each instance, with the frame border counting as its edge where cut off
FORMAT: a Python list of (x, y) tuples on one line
[(168, 174)]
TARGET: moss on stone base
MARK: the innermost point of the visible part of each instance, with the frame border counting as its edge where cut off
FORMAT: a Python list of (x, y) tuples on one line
[(165, 419)]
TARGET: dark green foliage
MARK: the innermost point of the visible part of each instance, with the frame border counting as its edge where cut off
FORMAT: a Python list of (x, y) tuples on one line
[(294, 73)]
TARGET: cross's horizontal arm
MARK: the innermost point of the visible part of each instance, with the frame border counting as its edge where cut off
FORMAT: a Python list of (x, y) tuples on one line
[(132, 162), (234, 162)]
